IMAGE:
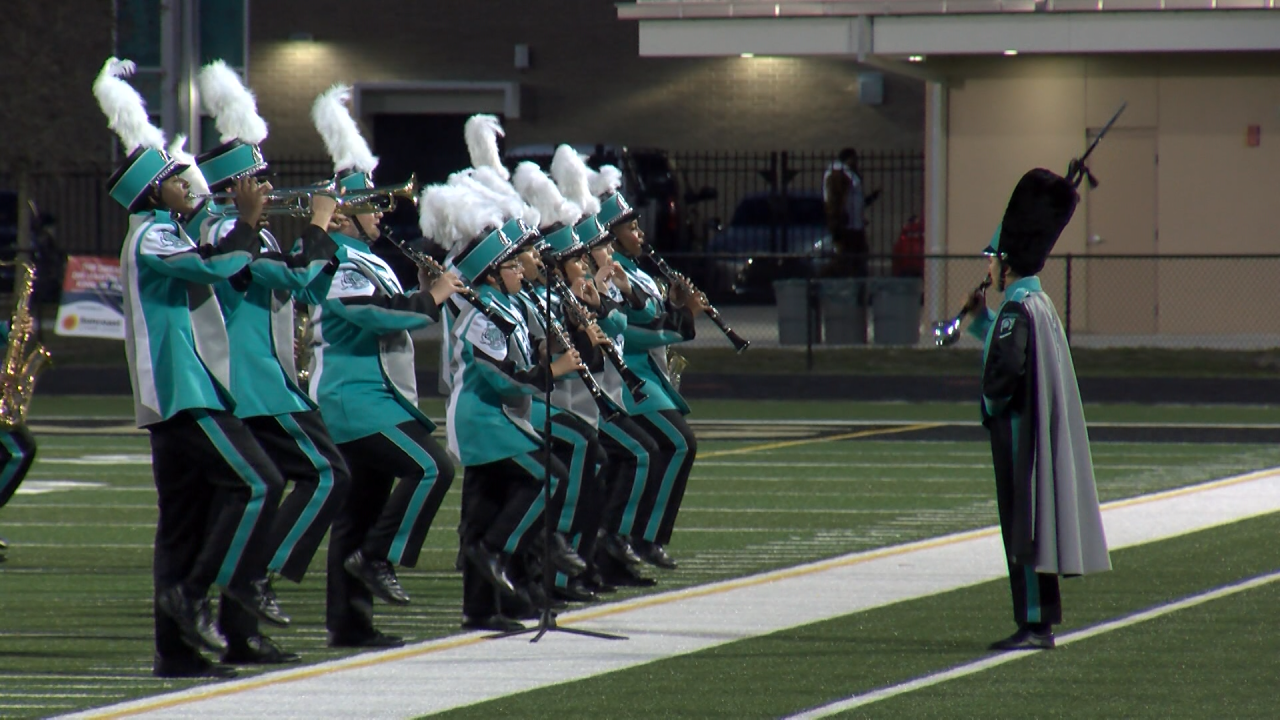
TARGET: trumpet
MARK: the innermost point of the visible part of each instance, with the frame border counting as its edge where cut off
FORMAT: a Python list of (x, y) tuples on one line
[(947, 332), (379, 199), (294, 201)]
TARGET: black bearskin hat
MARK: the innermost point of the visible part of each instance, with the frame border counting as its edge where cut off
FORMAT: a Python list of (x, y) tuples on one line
[(1039, 209)]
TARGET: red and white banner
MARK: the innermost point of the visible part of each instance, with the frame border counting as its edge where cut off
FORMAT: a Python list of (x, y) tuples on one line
[(92, 299)]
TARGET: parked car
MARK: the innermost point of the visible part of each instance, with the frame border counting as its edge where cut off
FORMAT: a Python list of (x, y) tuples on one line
[(770, 237), (648, 181)]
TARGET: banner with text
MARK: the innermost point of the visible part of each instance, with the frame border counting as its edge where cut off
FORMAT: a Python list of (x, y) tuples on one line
[(92, 299)]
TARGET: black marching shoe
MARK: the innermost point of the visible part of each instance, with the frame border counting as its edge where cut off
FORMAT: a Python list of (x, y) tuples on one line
[(257, 650), (596, 584), (564, 558), (374, 640), (1025, 639), (576, 591), (491, 565), (618, 548), (654, 554), (193, 617), (164, 668), (260, 600), (378, 576), (500, 623)]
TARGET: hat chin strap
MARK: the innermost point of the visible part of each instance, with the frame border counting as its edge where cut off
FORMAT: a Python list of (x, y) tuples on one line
[(1004, 270)]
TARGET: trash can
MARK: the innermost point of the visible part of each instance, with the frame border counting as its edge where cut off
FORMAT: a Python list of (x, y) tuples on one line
[(896, 304), (844, 311), (792, 297)]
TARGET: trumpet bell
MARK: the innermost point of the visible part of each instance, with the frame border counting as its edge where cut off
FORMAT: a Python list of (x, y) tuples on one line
[(379, 199)]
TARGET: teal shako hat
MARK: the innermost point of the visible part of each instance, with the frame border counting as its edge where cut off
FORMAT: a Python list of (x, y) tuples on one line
[(241, 129), (590, 231), (146, 163), (229, 162), (564, 243), (614, 210)]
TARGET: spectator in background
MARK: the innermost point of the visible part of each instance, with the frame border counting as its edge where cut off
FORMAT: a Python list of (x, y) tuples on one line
[(845, 203)]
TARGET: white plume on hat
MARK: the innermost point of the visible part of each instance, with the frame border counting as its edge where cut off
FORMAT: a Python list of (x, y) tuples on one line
[(453, 214), (572, 177), (605, 182), (485, 183), (232, 105), (193, 176), (125, 109), (541, 193), (482, 133), (341, 135)]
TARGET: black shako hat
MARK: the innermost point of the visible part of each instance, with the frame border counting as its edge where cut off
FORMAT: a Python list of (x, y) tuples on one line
[(1039, 209)]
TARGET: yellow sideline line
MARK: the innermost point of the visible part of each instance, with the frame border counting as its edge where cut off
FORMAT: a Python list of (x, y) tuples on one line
[(651, 601), (827, 438)]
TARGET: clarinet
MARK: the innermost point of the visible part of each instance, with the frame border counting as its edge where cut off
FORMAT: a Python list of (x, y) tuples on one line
[(435, 270), (579, 315), (739, 343), (555, 329)]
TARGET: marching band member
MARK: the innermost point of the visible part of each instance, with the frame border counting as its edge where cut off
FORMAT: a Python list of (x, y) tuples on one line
[(660, 321), (638, 461), (215, 484), (258, 306), (489, 407), (362, 377), (575, 413), (1045, 491)]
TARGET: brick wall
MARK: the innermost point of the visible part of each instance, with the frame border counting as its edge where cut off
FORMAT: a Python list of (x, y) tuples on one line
[(50, 52), (586, 84)]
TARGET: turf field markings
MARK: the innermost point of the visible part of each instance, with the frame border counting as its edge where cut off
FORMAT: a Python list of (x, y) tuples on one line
[(821, 439), (1128, 530), (1006, 657)]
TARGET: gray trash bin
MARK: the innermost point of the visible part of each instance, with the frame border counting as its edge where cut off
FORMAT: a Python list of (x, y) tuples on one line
[(793, 312), (896, 304), (844, 311)]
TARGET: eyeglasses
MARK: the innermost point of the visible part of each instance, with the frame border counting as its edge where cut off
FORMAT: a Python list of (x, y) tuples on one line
[(509, 266)]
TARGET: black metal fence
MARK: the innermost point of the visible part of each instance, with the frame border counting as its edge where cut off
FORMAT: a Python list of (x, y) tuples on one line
[(717, 184)]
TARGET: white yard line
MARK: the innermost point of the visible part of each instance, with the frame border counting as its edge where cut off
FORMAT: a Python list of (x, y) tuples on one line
[(462, 670), (1007, 657)]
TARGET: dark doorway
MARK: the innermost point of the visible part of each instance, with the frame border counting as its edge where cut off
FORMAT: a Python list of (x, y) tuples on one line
[(433, 147)]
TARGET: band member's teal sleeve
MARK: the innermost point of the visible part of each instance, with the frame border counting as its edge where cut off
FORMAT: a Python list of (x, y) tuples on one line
[(177, 256), (354, 298), (667, 328), (296, 270)]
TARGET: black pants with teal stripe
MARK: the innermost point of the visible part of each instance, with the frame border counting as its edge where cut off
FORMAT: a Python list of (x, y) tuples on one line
[(1037, 600), (580, 501), (630, 454), (300, 446), (17, 452), (669, 468), (217, 494), (398, 479), (502, 506)]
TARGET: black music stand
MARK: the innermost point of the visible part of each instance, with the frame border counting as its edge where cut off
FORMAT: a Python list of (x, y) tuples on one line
[(547, 622)]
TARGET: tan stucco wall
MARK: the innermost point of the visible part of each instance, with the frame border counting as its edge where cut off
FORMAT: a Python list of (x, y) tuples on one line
[(1214, 195)]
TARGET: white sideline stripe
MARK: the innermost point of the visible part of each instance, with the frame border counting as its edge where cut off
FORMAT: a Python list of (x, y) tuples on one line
[(463, 670), (973, 668)]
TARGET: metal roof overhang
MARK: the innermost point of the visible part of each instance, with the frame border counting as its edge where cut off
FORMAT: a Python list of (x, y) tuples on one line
[(864, 29)]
